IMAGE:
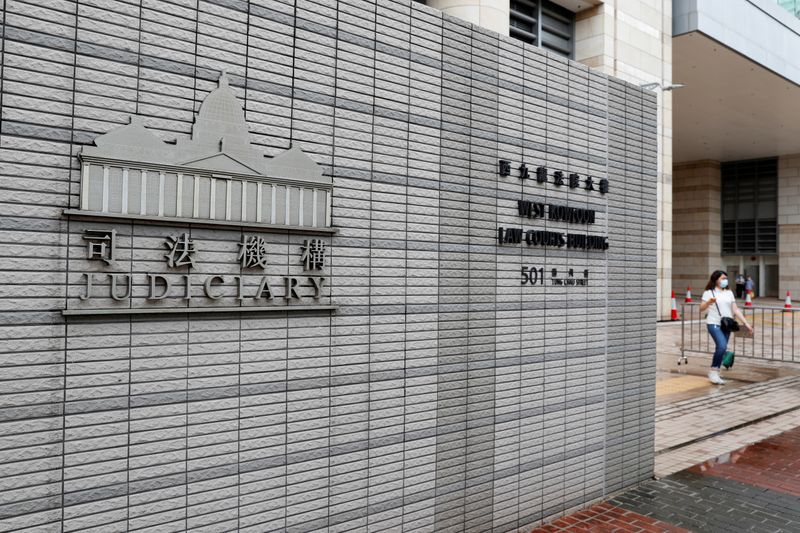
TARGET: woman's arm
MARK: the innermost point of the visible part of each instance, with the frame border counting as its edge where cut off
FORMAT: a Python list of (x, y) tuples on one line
[(738, 314), (704, 305)]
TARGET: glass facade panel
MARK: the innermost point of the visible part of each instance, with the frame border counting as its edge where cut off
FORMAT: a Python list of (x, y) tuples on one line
[(750, 207), (792, 6)]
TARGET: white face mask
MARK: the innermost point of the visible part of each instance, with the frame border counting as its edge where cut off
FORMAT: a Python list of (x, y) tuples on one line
[(723, 283)]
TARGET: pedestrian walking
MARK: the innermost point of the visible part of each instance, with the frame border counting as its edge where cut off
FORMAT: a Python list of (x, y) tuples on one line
[(750, 287), (740, 286), (720, 303)]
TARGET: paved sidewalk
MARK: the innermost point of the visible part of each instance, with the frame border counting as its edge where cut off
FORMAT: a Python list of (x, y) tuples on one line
[(756, 488), (726, 443), (694, 430)]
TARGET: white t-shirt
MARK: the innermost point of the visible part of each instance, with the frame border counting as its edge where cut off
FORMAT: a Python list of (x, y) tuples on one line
[(725, 301)]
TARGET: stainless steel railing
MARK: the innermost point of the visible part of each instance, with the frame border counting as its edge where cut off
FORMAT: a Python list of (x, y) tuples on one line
[(777, 332)]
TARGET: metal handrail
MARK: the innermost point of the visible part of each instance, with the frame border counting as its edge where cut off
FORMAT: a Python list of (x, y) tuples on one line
[(766, 343)]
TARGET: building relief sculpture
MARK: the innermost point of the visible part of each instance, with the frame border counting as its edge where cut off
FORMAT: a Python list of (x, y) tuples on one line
[(217, 176)]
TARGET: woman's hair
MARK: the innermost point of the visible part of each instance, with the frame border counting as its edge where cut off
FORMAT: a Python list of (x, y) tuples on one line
[(712, 283)]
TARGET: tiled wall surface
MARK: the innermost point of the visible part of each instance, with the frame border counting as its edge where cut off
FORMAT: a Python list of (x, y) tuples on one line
[(442, 395), (697, 231), (789, 224), (632, 39)]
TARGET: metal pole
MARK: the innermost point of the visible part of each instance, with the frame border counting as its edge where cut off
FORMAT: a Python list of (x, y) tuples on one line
[(702, 335), (683, 327), (762, 353)]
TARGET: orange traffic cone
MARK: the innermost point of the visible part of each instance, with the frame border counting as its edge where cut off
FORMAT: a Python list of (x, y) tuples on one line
[(688, 299), (748, 302), (674, 308), (788, 305)]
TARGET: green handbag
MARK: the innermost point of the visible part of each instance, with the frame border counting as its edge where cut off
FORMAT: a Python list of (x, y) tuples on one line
[(727, 359)]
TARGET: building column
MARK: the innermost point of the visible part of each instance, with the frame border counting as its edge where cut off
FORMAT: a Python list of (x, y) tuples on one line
[(696, 224), (665, 205), (490, 14), (789, 225)]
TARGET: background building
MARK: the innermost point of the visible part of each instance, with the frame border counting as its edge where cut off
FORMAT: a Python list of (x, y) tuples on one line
[(737, 140)]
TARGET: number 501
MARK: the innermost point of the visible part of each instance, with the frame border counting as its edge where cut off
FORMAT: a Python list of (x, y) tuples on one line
[(532, 276)]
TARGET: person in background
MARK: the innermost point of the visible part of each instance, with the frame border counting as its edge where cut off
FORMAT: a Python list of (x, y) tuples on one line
[(719, 301), (740, 286), (750, 287)]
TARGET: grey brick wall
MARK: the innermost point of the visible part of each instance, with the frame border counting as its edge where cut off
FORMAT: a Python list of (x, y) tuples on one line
[(442, 395)]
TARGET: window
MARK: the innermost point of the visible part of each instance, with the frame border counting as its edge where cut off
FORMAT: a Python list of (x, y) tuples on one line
[(544, 24), (750, 207)]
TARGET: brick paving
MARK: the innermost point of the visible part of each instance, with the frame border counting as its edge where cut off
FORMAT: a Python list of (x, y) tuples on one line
[(607, 517), (705, 503), (753, 489), (772, 464)]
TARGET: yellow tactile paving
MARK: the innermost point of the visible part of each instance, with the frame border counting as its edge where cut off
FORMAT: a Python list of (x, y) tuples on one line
[(677, 384)]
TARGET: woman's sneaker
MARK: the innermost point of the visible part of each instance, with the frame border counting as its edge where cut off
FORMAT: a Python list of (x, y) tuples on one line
[(713, 377)]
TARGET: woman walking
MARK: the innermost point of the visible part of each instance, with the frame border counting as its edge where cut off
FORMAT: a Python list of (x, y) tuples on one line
[(719, 301)]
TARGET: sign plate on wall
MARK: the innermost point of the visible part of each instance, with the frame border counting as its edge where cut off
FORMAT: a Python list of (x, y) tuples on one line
[(273, 217), (568, 215)]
